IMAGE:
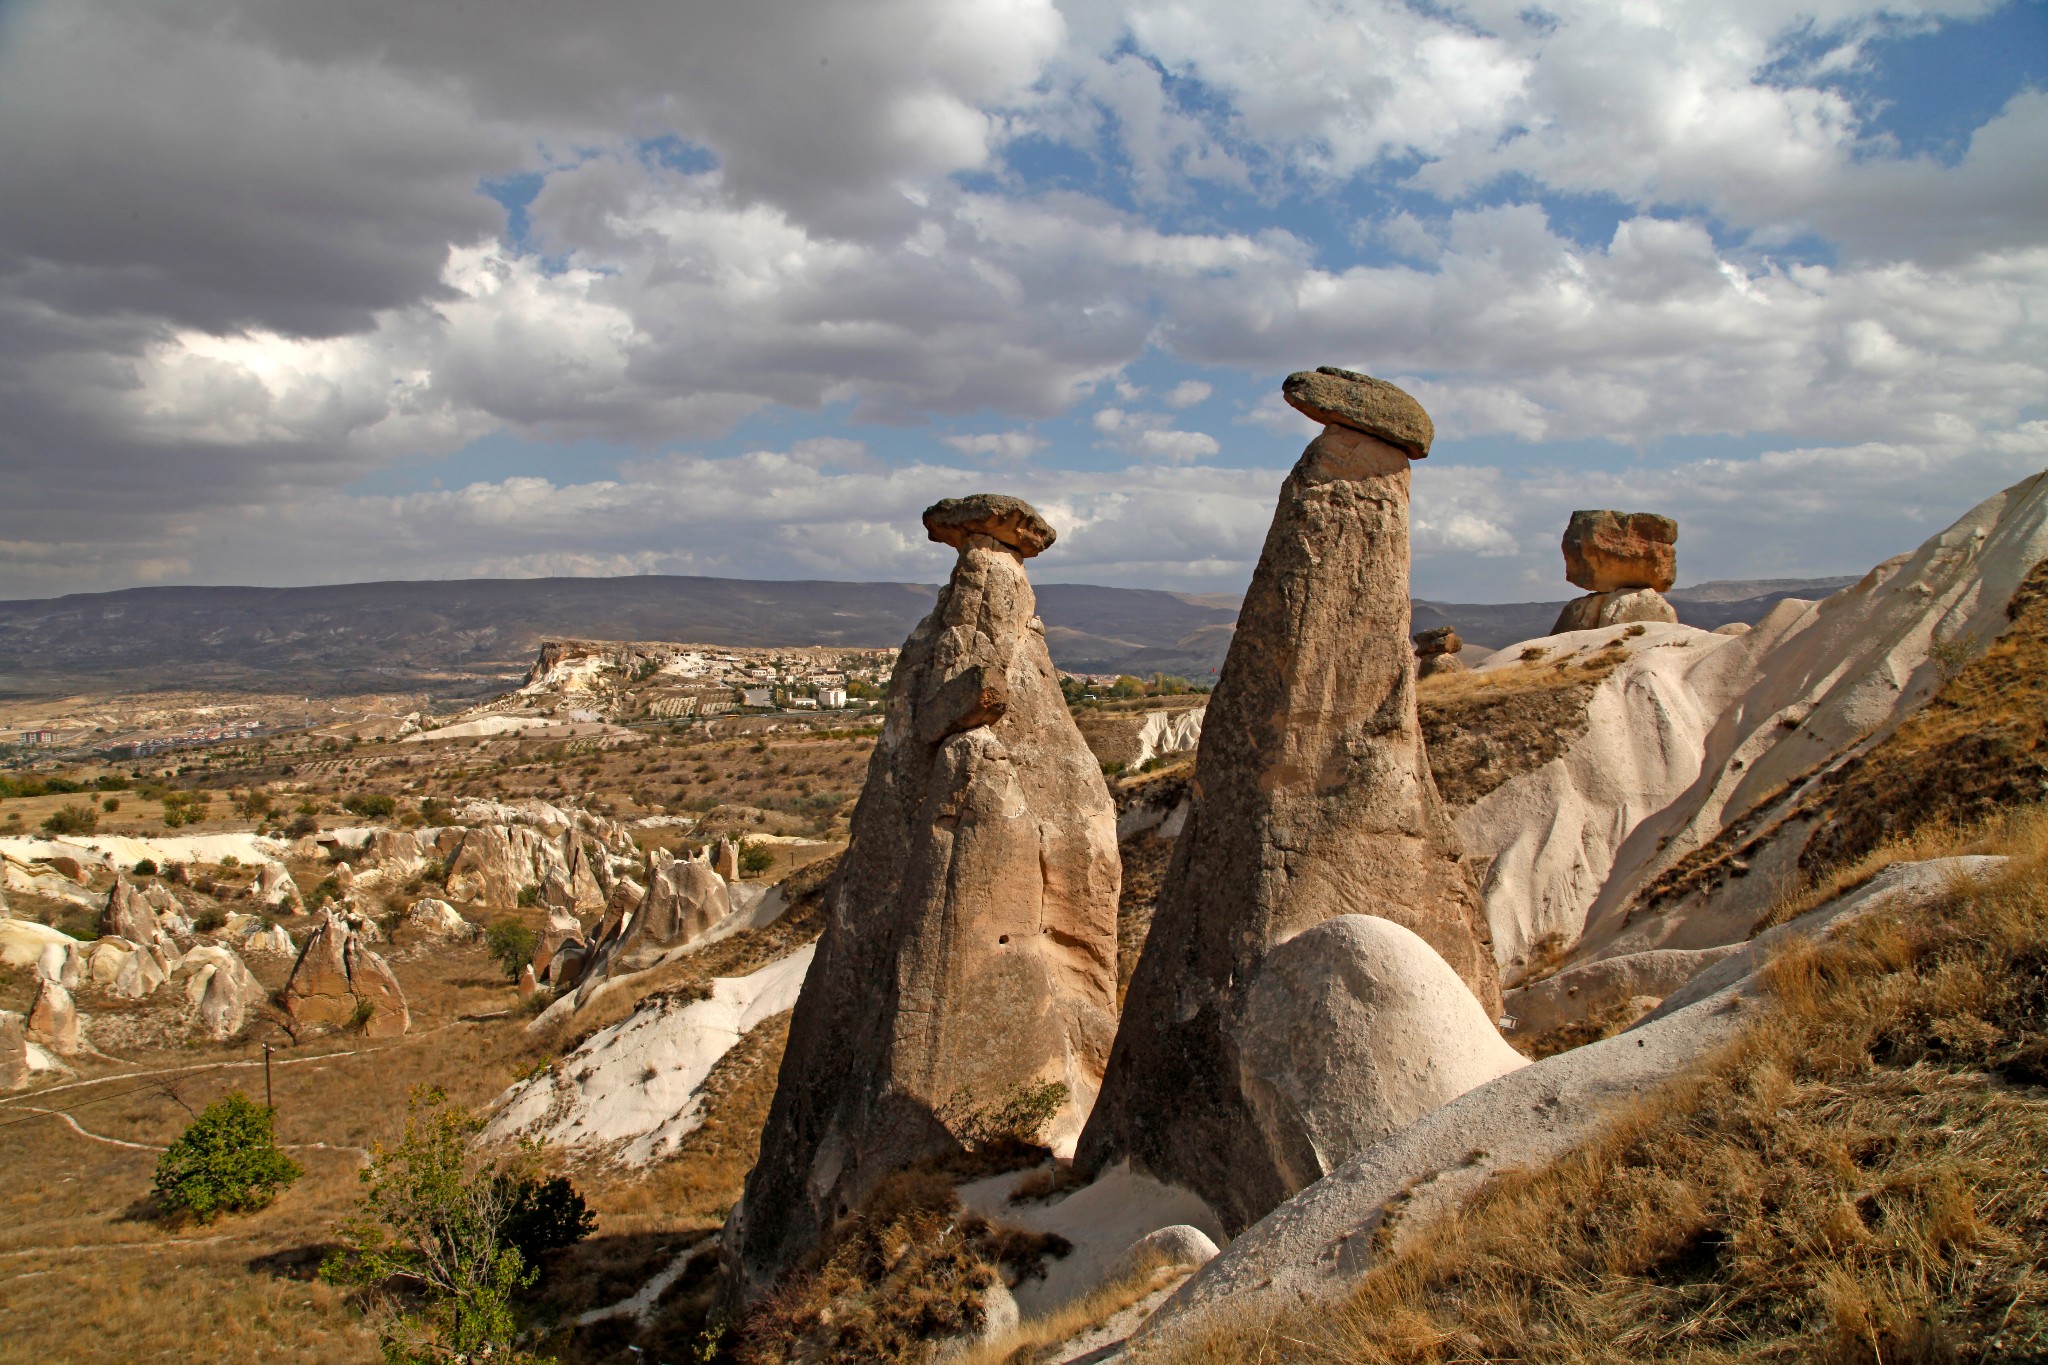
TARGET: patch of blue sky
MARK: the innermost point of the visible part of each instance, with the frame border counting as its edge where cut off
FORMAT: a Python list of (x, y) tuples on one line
[(676, 154), (1922, 89)]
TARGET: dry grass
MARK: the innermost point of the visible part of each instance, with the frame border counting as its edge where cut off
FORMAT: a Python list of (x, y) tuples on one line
[(1862, 1177), (1483, 729), (910, 1269), (1026, 1343)]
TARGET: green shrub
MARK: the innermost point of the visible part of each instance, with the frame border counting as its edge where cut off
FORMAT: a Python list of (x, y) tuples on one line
[(756, 858), (303, 825), (529, 896), (226, 1161), (541, 1215), (371, 805), (511, 946), (71, 818), (437, 1215), (146, 868), (113, 782), (206, 921), (110, 804)]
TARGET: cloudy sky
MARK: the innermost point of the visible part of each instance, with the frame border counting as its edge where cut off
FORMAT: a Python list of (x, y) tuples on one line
[(316, 292)]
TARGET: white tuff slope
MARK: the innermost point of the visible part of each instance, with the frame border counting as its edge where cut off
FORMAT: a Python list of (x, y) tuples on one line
[(1550, 836), (634, 1084), (1840, 678)]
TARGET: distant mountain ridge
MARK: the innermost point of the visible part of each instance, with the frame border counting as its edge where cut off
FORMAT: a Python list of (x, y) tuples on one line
[(464, 636)]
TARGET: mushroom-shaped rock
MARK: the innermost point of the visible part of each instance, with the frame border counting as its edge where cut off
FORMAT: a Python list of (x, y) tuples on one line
[(53, 1019), (969, 947), (1355, 1028), (1438, 640), (1346, 398), (1311, 798), (1606, 551), (1009, 521)]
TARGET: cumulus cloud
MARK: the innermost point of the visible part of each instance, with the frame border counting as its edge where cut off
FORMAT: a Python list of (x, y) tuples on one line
[(252, 254), (998, 445)]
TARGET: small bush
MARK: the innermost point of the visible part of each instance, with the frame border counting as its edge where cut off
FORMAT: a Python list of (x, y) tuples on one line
[(303, 825), (371, 805), (511, 946), (227, 1161), (206, 921), (529, 896), (437, 1216), (146, 868), (71, 819), (541, 1215), (110, 804)]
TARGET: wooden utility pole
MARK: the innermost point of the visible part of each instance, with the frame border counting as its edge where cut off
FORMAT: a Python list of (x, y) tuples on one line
[(266, 1082)]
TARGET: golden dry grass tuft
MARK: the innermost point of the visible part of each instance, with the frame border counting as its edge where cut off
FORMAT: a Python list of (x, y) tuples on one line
[(1027, 1343), (1862, 1177)]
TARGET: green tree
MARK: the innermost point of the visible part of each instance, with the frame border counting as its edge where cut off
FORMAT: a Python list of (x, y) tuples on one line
[(756, 858), (510, 945), (371, 805), (71, 818), (226, 1161), (442, 1217)]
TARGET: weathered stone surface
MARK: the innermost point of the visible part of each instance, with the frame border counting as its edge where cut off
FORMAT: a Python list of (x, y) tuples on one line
[(275, 887), (129, 914), (1354, 1028), (1361, 403), (725, 859), (219, 990), (1434, 664), (563, 930), (13, 1052), (1009, 521), (371, 980), (970, 940), (438, 919), (1611, 551), (53, 1019), (684, 898), (1312, 798), (1181, 1246), (1437, 640), (1599, 609), (527, 984), (337, 975), (318, 995)]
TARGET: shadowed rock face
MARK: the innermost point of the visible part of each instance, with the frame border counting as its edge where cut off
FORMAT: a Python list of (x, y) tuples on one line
[(1312, 798), (970, 942)]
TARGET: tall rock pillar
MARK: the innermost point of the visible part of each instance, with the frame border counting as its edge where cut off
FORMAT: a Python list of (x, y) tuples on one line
[(970, 941), (1311, 798)]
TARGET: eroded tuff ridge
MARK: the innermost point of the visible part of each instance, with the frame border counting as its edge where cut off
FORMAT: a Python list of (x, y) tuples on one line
[(1312, 798), (970, 941)]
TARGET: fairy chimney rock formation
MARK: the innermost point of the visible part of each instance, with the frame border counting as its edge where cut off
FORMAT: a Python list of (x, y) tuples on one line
[(969, 949), (1436, 651), (1626, 561), (1311, 799), (339, 982)]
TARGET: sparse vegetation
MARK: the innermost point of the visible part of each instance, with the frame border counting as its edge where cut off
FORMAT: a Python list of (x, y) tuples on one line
[(511, 945), (370, 805), (438, 1220), (72, 818), (1858, 1179)]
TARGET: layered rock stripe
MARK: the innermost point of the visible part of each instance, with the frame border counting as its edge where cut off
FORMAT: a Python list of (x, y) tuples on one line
[(1311, 798), (970, 940)]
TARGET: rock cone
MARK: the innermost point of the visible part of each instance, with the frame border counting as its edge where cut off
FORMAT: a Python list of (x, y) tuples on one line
[(1312, 798), (970, 941), (339, 981)]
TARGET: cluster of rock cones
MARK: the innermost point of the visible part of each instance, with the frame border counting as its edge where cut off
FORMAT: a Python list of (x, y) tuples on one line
[(1318, 966)]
